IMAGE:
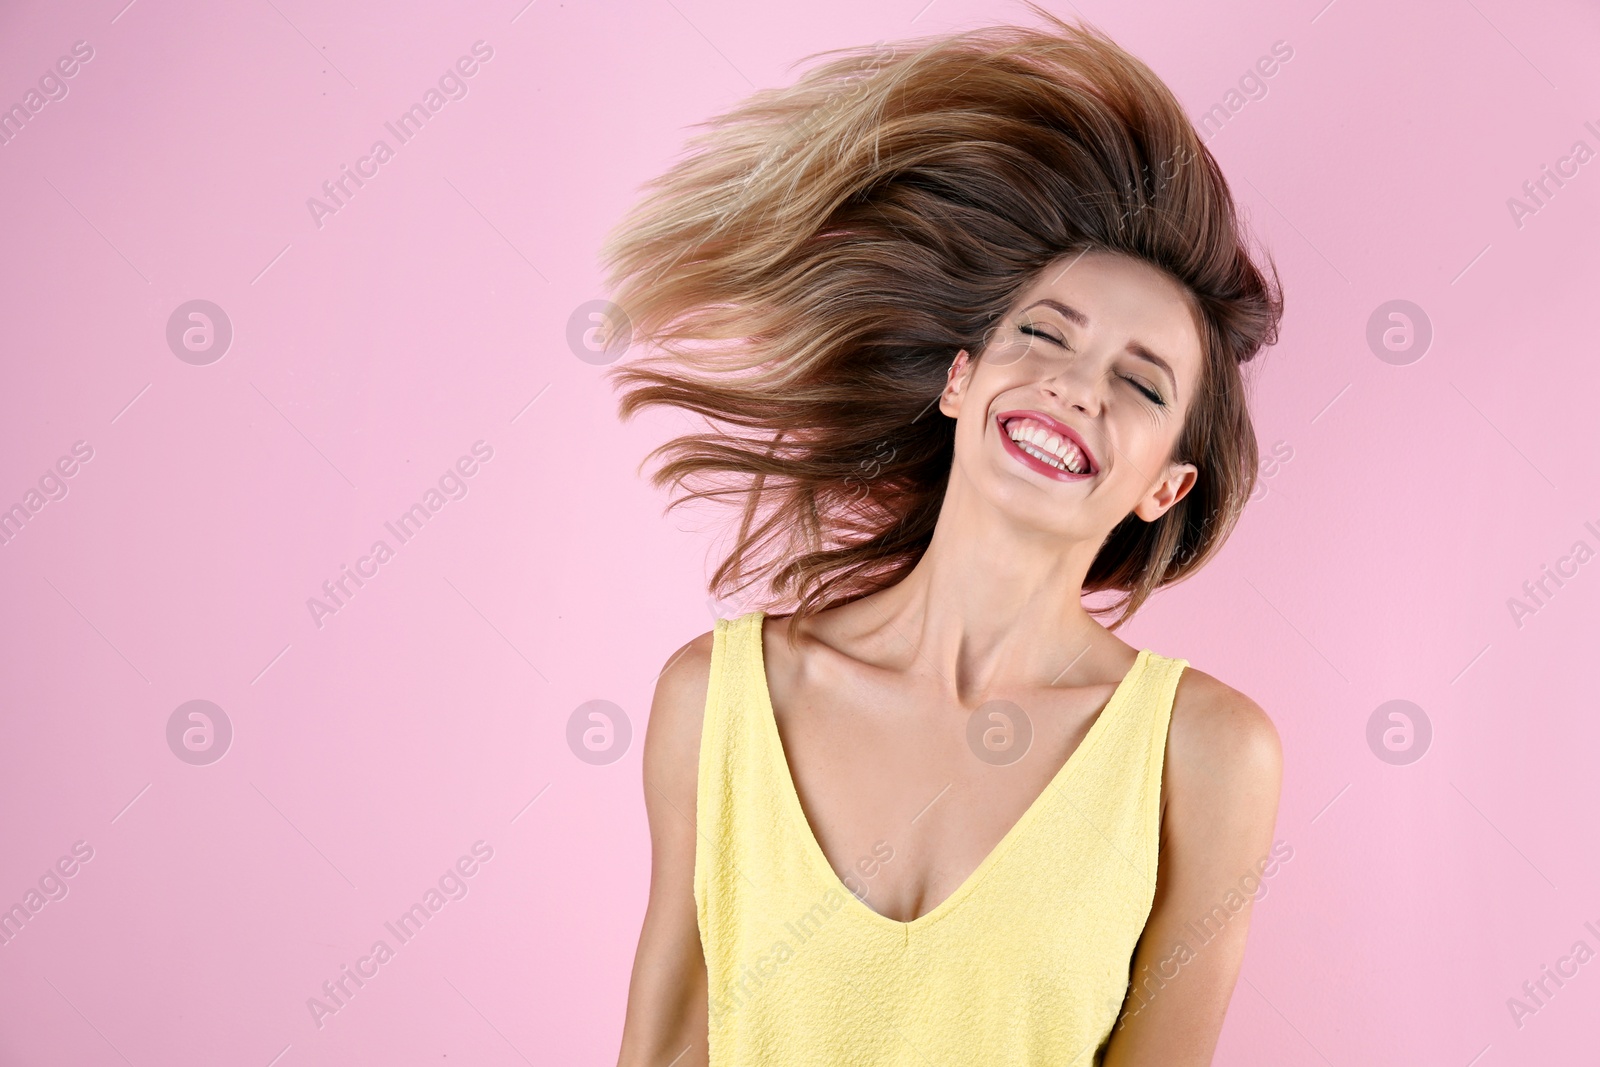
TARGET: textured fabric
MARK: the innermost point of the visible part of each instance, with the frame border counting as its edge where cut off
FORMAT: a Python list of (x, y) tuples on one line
[(1027, 962)]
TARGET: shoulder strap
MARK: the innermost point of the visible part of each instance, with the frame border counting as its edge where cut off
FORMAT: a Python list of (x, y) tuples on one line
[(1163, 687), (725, 743), (709, 815), (1118, 788)]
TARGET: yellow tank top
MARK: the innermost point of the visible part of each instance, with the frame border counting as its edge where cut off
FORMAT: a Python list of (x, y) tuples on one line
[(1027, 962)]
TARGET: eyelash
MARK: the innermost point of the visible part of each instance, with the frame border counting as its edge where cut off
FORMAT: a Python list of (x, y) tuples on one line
[(1144, 390)]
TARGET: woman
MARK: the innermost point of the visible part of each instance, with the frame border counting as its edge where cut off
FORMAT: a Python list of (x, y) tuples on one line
[(966, 316)]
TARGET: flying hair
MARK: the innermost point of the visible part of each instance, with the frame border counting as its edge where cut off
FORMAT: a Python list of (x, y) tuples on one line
[(809, 267)]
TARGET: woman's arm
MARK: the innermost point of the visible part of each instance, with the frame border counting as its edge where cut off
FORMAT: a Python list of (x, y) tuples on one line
[(666, 1017), (1220, 802)]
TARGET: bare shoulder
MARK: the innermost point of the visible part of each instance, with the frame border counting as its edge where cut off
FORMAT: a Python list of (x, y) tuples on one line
[(667, 991), (1221, 743), (677, 713), (682, 684)]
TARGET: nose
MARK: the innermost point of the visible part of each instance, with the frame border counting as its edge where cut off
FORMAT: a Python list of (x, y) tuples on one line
[(1076, 386)]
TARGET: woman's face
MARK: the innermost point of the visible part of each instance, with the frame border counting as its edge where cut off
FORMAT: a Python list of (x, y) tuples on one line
[(1067, 421)]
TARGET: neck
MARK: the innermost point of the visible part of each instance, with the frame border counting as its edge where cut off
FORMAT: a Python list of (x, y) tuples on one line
[(992, 604)]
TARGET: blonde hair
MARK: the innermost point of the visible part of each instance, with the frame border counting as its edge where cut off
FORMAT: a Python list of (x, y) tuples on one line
[(809, 269)]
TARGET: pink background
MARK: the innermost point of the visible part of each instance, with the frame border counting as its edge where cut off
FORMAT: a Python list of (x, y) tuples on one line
[(370, 352)]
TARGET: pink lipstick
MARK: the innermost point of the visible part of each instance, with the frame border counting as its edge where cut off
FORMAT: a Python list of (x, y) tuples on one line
[(1043, 456)]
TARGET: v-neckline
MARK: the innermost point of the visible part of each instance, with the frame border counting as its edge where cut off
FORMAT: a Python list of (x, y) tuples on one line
[(819, 858)]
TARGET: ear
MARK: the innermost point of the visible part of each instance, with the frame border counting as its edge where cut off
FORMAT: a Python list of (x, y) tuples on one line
[(1173, 487), (955, 382)]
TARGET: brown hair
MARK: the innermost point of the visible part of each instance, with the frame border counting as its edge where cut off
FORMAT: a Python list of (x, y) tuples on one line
[(809, 270)]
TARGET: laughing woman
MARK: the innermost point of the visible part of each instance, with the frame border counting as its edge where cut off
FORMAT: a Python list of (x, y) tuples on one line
[(966, 318)]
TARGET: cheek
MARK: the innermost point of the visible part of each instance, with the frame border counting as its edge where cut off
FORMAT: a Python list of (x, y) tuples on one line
[(974, 430), (1007, 353), (970, 432)]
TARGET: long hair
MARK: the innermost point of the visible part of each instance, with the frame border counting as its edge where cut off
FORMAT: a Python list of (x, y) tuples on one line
[(810, 267)]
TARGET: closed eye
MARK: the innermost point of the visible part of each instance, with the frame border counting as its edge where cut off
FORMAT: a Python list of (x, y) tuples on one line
[(1035, 332), (1150, 394)]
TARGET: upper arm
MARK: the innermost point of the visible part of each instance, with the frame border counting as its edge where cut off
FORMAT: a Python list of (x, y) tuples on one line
[(1223, 768), (666, 1011)]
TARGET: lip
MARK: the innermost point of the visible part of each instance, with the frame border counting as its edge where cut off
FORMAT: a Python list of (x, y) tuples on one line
[(1057, 427)]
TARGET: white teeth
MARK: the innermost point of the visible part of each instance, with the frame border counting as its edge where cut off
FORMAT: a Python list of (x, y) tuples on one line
[(1042, 456), (1044, 445)]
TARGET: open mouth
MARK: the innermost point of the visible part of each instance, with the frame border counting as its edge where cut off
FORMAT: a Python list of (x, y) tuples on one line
[(1046, 444)]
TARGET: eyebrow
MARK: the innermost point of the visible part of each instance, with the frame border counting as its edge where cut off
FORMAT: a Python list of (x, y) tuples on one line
[(1078, 318)]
